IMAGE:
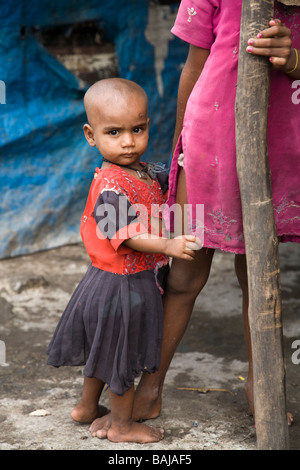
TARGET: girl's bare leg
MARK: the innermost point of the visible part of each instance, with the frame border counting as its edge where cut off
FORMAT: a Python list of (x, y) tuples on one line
[(241, 273), (185, 281), (88, 409), (123, 428)]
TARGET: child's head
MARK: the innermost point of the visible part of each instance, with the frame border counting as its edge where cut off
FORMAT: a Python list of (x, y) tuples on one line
[(118, 123)]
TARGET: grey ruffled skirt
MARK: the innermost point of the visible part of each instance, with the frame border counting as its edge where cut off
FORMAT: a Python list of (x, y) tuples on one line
[(112, 325)]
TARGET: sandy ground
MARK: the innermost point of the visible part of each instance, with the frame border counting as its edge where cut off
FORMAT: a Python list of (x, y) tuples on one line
[(33, 293)]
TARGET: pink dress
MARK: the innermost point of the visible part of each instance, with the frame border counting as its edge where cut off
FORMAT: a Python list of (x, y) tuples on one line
[(208, 136)]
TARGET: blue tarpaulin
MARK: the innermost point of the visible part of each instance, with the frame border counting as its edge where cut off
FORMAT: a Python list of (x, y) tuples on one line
[(46, 164)]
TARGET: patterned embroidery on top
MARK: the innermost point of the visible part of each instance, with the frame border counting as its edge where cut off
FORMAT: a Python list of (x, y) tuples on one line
[(221, 221), (191, 12)]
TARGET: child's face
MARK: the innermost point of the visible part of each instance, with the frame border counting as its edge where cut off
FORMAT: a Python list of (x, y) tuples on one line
[(120, 130)]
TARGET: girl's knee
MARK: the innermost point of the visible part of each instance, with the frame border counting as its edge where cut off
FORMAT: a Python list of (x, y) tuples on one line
[(189, 278), (181, 285)]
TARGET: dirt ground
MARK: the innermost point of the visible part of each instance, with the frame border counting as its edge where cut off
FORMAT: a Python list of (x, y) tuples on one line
[(33, 293)]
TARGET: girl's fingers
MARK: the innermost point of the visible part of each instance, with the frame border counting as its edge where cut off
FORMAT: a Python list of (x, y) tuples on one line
[(278, 58), (275, 21), (192, 246), (269, 43), (275, 31), (193, 242), (277, 36), (283, 52), (191, 238), (274, 42), (188, 255), (278, 61)]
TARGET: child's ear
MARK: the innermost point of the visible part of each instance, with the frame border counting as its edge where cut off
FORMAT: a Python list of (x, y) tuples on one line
[(89, 135)]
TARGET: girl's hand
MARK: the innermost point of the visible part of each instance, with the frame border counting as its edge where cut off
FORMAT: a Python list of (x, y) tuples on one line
[(183, 247), (275, 43)]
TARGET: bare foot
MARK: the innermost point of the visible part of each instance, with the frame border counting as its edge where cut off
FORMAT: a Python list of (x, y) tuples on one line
[(134, 432), (100, 426), (83, 414), (145, 407), (249, 395)]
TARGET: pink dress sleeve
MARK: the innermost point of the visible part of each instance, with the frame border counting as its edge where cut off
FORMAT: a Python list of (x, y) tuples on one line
[(194, 22)]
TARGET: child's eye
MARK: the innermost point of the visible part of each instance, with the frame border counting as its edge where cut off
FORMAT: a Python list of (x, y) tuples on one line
[(136, 130), (114, 132)]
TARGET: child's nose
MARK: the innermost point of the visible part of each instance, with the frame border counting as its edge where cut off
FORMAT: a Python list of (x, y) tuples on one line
[(128, 139)]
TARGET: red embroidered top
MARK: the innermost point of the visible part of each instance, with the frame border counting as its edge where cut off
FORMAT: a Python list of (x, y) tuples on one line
[(119, 206)]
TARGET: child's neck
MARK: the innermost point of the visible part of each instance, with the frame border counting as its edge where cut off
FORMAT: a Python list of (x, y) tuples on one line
[(142, 171), (139, 164)]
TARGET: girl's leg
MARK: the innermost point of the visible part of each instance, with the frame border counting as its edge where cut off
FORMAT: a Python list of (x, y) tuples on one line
[(88, 409), (185, 281), (241, 273), (123, 428)]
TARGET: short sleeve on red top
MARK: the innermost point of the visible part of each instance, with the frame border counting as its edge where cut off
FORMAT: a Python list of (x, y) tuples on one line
[(194, 22), (116, 218)]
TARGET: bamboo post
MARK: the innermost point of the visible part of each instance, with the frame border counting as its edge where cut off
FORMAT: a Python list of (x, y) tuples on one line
[(265, 316)]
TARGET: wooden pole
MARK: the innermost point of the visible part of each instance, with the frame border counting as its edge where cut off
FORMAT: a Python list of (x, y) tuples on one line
[(265, 316)]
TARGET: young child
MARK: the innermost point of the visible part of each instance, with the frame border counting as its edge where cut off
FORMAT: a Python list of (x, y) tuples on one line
[(206, 172), (113, 322)]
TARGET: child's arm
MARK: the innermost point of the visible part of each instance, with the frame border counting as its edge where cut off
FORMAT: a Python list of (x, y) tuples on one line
[(189, 76), (180, 247), (275, 43)]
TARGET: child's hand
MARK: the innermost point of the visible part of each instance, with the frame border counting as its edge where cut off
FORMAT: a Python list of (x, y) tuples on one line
[(275, 43), (183, 247)]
